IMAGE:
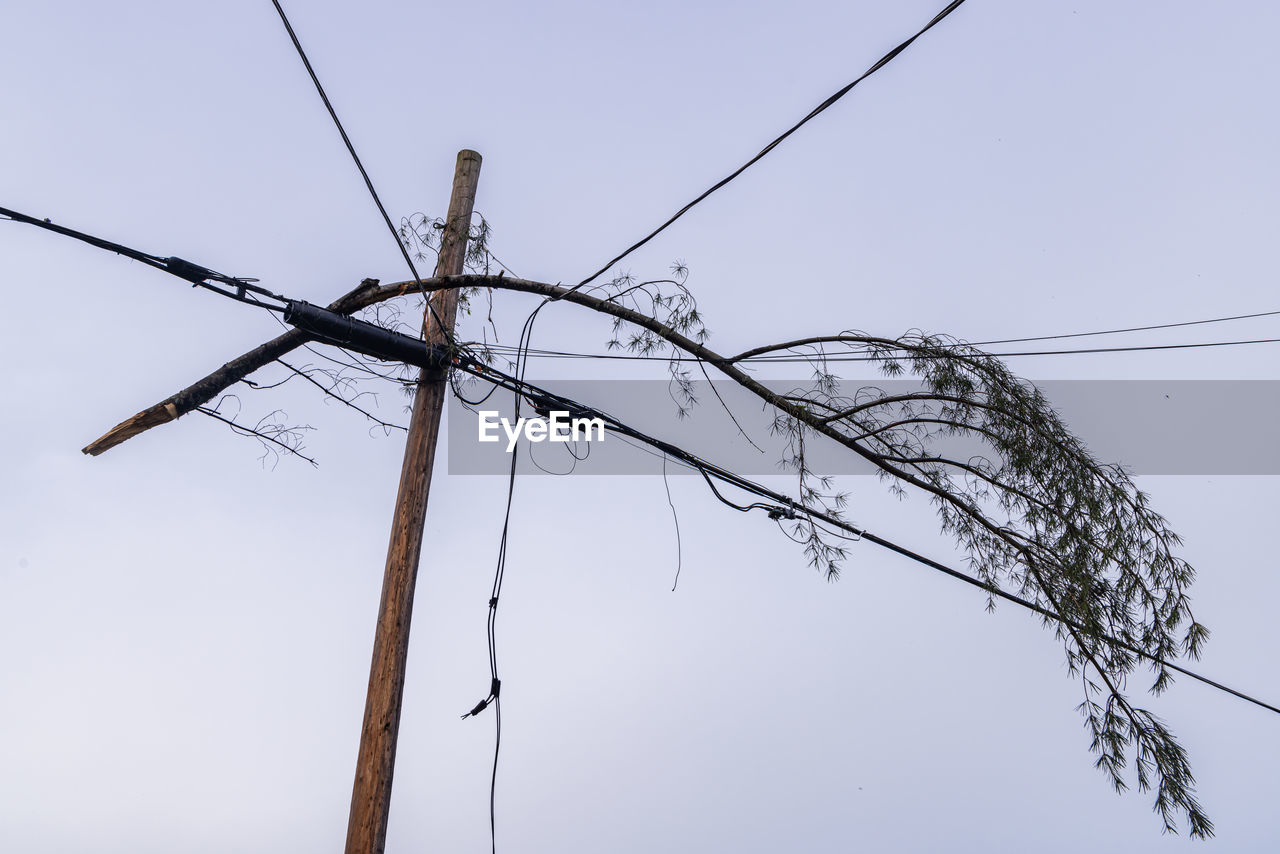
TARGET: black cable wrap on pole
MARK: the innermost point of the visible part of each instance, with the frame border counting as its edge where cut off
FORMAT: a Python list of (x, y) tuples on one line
[(366, 338)]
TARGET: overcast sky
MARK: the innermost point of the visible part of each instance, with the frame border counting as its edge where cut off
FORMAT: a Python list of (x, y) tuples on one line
[(185, 632)]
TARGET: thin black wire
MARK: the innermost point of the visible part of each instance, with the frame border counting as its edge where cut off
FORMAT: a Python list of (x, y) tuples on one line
[(526, 335), (1083, 351), (241, 284), (786, 507), (522, 388), (495, 685), (560, 354), (499, 575), (573, 455), (458, 394), (675, 518), (853, 357), (101, 243), (1045, 612), (880, 63), (404, 251), (1127, 329), (197, 275)]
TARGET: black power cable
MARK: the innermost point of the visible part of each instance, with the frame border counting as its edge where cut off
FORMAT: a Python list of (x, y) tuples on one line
[(198, 276), (849, 357), (786, 507), (494, 697), (377, 341), (783, 359), (1127, 329), (368, 182), (203, 277), (880, 63)]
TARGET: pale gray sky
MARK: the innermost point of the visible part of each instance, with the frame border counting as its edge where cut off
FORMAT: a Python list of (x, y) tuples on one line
[(184, 636)]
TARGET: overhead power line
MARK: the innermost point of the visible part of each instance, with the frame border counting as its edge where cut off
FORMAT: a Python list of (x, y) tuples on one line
[(368, 182), (204, 277), (852, 357), (342, 331), (198, 276), (784, 506), (856, 357), (989, 342), (241, 288), (880, 63), (1128, 329)]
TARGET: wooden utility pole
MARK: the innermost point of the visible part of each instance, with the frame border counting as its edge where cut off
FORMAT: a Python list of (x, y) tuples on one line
[(371, 796)]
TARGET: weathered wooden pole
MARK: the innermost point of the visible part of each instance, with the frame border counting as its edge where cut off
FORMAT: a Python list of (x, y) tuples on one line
[(371, 796)]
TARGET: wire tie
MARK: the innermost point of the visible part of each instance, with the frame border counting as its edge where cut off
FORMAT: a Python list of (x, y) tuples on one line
[(495, 687)]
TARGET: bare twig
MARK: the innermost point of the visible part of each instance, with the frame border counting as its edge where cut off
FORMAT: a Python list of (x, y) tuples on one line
[(256, 432), (332, 392)]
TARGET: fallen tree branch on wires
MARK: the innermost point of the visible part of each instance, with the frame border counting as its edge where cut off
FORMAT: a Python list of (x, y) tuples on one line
[(1036, 513)]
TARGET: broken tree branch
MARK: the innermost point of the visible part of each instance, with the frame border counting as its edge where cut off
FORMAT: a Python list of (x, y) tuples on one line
[(204, 390), (1044, 518)]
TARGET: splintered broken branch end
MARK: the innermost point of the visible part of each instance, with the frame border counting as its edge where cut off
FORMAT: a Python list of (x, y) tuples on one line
[(204, 390), (161, 413)]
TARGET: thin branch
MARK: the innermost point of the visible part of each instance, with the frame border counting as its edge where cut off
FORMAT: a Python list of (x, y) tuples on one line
[(251, 431), (344, 401)]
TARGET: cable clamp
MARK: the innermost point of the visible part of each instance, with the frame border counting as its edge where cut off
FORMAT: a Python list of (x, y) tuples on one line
[(495, 688), (480, 707), (788, 512), (193, 273)]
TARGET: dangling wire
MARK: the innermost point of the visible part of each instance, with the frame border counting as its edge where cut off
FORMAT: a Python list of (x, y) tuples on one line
[(675, 518), (494, 697)]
